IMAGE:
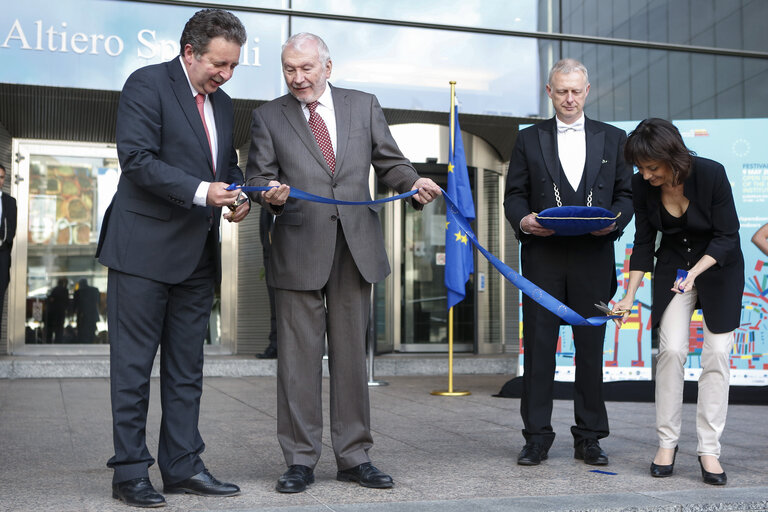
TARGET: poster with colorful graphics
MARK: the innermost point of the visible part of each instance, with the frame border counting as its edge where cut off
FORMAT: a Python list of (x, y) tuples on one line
[(739, 145)]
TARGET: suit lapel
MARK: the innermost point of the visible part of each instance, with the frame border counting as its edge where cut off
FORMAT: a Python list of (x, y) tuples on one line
[(595, 146), (343, 112), (547, 131), (180, 87), (292, 111)]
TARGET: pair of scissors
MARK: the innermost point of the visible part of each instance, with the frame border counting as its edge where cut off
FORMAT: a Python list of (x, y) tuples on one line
[(605, 308)]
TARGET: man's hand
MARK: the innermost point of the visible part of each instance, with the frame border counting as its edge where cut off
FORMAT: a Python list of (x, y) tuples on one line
[(428, 190), (276, 196), (218, 195), (605, 230), (240, 212), (530, 225)]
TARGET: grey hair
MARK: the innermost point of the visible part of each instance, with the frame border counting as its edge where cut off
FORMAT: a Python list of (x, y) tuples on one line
[(206, 24), (567, 66), (298, 40)]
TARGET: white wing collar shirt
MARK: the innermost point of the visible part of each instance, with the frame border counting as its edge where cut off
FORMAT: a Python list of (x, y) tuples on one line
[(572, 149)]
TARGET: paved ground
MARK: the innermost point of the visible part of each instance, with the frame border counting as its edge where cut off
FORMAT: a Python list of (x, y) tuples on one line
[(445, 454)]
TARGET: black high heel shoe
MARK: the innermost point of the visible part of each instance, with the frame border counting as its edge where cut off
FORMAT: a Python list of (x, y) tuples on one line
[(712, 478), (659, 471)]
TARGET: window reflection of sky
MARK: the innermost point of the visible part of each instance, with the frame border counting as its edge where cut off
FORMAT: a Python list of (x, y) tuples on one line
[(406, 68)]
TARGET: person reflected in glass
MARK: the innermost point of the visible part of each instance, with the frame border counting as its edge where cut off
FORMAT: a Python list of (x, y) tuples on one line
[(699, 265), (8, 215), (760, 239), (57, 307), (85, 302)]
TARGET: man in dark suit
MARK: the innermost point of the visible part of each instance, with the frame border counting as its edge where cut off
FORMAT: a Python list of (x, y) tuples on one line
[(566, 160), (160, 241), (7, 234), (323, 140)]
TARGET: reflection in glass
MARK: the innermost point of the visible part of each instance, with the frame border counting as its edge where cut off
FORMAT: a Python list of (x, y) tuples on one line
[(66, 286), (425, 314)]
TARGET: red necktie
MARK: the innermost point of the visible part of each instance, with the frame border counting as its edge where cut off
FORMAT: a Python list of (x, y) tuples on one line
[(320, 131), (200, 100)]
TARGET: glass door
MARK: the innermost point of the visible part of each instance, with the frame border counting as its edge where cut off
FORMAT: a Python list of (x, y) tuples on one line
[(57, 294), (424, 315)]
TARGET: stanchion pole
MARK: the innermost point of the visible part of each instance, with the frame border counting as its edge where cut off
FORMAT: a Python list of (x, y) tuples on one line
[(370, 341), (450, 391)]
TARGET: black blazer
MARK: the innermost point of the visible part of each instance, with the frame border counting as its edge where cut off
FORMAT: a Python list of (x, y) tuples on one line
[(712, 228), (534, 167), (152, 228), (8, 222)]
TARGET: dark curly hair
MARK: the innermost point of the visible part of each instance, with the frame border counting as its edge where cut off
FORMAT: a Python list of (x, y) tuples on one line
[(659, 140), (207, 24)]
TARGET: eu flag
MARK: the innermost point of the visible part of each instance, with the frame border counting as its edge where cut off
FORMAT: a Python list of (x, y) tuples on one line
[(459, 262)]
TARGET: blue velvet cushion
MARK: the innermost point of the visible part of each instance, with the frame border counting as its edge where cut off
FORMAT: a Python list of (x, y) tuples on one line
[(576, 220)]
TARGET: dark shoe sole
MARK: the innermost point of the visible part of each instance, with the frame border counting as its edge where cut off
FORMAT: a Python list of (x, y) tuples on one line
[(528, 462), (198, 493), (344, 478), (294, 490), (151, 505)]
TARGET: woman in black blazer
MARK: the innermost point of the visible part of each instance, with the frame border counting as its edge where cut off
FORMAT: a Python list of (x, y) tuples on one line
[(699, 264)]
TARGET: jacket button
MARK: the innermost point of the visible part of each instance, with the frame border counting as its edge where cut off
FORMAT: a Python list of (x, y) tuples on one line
[(333, 218), (689, 249), (335, 185)]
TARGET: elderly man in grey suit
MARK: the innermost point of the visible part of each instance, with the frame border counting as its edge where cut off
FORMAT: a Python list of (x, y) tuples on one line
[(323, 140)]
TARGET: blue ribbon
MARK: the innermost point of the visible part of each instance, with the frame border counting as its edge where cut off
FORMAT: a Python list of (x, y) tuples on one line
[(531, 290), (300, 194)]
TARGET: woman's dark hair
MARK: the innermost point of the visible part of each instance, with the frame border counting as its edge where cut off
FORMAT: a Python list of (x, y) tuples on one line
[(206, 24), (659, 140)]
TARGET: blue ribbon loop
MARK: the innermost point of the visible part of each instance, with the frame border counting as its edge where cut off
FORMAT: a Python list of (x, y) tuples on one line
[(531, 290)]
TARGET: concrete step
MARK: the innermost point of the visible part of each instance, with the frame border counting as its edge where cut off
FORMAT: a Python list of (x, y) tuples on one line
[(37, 367)]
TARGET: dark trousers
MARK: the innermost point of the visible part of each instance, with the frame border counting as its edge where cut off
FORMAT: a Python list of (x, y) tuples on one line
[(577, 271), (143, 315)]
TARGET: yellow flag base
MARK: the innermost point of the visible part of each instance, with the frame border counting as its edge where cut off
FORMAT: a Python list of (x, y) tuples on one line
[(450, 391)]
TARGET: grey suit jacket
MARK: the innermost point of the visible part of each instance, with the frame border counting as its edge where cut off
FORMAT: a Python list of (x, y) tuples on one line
[(152, 228), (304, 235)]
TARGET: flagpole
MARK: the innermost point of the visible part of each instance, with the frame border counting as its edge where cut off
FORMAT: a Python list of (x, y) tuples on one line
[(451, 392)]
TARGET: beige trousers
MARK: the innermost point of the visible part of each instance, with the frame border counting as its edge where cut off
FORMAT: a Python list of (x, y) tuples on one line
[(712, 403)]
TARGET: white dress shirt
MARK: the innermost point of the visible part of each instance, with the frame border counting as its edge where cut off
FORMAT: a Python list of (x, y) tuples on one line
[(572, 149), (201, 194), (325, 110)]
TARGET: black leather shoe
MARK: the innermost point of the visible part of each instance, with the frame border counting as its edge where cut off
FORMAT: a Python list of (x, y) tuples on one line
[(660, 471), (138, 493), (269, 353), (590, 452), (296, 479), (366, 475), (712, 478), (532, 454), (202, 484)]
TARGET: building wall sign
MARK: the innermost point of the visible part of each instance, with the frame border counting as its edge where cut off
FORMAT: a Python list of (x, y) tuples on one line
[(58, 44)]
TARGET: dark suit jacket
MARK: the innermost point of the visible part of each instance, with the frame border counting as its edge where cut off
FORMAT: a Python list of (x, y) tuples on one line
[(8, 222), (534, 167), (152, 229), (712, 228), (284, 149)]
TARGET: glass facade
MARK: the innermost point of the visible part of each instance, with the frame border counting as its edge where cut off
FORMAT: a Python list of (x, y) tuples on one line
[(676, 59)]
